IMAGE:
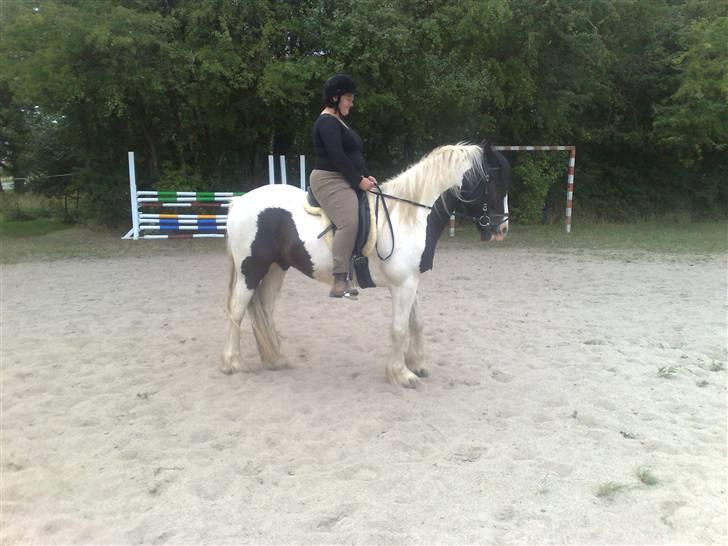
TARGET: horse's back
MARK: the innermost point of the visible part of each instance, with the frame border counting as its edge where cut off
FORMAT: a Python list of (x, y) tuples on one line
[(270, 196)]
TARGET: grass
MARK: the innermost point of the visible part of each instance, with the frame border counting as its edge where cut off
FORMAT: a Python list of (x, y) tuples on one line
[(666, 372), (607, 490), (663, 237), (47, 238), (33, 228), (646, 476), (82, 242)]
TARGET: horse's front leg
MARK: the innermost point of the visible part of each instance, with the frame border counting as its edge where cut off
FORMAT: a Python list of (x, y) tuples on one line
[(415, 356), (403, 297)]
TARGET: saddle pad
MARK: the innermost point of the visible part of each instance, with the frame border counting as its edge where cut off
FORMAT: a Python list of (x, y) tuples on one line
[(326, 222)]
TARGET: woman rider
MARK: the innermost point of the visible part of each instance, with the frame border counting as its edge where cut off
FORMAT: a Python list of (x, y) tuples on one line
[(339, 173)]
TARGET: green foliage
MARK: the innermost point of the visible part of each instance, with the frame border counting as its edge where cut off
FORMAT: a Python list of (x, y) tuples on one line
[(533, 176), (694, 119), (203, 90), (24, 207)]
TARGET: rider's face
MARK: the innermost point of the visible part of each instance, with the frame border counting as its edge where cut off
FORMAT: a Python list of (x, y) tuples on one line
[(346, 101)]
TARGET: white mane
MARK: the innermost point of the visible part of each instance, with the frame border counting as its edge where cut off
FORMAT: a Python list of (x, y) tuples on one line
[(438, 171)]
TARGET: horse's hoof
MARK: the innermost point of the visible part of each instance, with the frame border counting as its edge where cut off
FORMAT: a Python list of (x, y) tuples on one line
[(279, 364), (421, 372), (229, 366), (404, 379), (411, 383), (227, 370)]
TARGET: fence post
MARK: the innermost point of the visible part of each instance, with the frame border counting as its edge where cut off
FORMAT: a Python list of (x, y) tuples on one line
[(302, 160), (271, 170), (570, 188), (284, 179)]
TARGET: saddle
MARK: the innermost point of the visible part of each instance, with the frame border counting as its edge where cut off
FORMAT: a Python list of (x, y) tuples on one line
[(366, 238)]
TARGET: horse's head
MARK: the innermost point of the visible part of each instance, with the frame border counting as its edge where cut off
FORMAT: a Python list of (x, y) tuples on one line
[(484, 193)]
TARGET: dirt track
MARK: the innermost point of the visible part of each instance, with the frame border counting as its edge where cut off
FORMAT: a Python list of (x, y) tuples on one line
[(118, 427)]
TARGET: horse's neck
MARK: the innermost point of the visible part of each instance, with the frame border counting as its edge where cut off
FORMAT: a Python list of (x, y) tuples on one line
[(413, 184), (436, 222)]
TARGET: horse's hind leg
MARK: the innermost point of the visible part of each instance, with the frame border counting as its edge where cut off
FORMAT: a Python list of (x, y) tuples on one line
[(415, 355), (403, 298), (261, 308), (238, 297)]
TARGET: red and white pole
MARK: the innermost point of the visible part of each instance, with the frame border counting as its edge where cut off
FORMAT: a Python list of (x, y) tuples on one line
[(570, 188)]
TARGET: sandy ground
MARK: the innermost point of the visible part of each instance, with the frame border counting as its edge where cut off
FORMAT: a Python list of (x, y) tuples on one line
[(117, 426)]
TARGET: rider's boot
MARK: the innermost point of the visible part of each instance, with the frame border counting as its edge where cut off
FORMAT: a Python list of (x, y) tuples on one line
[(340, 287)]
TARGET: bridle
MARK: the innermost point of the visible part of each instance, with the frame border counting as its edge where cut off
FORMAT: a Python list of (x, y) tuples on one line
[(484, 221)]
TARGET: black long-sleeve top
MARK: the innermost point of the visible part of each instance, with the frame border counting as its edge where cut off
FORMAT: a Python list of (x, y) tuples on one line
[(339, 149)]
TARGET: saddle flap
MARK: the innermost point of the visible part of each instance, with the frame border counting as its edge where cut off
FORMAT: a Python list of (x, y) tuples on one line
[(362, 234)]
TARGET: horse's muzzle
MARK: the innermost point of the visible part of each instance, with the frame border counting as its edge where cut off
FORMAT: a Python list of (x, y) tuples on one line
[(493, 234)]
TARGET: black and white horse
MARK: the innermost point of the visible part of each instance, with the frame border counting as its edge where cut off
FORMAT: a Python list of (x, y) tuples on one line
[(269, 231)]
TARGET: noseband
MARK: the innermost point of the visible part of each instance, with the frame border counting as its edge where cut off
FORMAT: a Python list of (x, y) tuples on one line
[(485, 219)]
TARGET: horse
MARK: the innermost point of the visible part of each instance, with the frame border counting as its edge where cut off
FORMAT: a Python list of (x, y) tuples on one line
[(269, 231)]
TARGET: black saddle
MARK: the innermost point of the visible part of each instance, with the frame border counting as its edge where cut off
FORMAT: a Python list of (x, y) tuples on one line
[(358, 263)]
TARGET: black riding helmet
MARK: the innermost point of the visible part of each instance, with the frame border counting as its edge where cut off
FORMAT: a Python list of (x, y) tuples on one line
[(335, 86)]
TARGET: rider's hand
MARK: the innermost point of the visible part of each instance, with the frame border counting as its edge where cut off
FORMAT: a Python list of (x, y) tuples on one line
[(365, 184), (374, 180)]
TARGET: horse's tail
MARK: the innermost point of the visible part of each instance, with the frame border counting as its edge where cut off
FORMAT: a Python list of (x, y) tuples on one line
[(231, 280), (266, 337)]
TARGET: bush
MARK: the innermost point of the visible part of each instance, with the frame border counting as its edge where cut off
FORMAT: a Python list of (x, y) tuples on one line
[(532, 178), (29, 206)]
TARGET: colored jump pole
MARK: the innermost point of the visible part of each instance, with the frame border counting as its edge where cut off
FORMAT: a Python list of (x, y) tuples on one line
[(173, 225)]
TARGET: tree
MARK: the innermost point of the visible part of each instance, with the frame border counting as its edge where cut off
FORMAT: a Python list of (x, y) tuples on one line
[(694, 118)]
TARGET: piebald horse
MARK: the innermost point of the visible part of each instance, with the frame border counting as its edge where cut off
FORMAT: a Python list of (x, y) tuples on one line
[(269, 231)]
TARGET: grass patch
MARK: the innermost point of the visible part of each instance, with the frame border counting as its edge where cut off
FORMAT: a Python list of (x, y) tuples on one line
[(666, 372), (646, 476), (82, 242), (31, 228), (48, 238), (609, 489), (22, 207), (702, 238)]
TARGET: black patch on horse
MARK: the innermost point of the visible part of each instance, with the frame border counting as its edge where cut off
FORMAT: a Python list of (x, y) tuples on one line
[(276, 241), (436, 222)]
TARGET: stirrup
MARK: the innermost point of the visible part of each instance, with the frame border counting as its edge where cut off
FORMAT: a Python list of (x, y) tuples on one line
[(341, 288)]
